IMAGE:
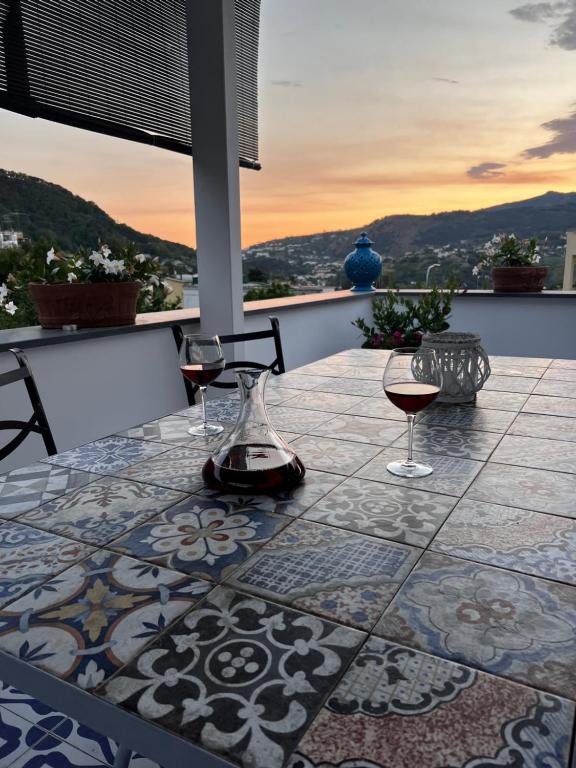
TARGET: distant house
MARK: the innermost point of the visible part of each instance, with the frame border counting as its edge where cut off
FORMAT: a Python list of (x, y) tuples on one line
[(10, 238)]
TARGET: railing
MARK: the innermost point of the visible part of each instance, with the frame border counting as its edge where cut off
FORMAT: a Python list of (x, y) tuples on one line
[(97, 383)]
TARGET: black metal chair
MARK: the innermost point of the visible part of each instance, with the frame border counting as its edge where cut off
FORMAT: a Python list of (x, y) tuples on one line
[(38, 422), (276, 366)]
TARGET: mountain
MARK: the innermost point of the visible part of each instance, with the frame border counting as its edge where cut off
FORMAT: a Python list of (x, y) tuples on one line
[(47, 211), (409, 244)]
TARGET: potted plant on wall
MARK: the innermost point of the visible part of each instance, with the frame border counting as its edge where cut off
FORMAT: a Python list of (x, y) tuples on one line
[(514, 263), (402, 322), (90, 289)]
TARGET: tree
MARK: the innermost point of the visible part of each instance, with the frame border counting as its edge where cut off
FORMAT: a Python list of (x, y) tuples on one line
[(275, 290)]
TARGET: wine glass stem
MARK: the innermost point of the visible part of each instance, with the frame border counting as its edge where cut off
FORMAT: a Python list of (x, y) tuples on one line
[(410, 417), (203, 398)]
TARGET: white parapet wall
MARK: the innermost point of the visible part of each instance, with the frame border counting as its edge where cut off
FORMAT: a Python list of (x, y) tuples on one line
[(96, 386)]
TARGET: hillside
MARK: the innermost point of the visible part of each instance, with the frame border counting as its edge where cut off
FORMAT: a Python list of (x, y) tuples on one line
[(408, 244), (48, 211)]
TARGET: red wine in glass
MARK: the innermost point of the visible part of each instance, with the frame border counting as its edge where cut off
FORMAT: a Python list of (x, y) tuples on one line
[(411, 396), (257, 467), (202, 374)]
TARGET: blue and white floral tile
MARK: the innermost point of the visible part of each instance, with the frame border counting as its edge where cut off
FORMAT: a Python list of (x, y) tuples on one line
[(342, 457), (179, 469), (398, 708), (451, 441), (536, 489), (296, 381), (239, 676), (358, 387), (386, 511), (28, 707), (108, 455), (510, 624), (174, 430), (103, 510), (361, 429), (92, 619), (293, 502), (336, 574), (465, 417), (294, 419), (332, 402), (28, 557), (540, 453), (17, 735), (203, 537), (27, 487), (225, 410), (529, 542), (451, 475)]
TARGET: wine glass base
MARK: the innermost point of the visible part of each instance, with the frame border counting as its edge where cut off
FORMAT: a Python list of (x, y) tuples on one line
[(205, 430), (409, 469)]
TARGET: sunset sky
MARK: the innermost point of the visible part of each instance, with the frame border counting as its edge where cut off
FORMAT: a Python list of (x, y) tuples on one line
[(367, 108)]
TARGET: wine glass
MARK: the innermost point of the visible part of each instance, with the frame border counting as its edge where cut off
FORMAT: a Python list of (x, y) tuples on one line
[(201, 362), (412, 381)]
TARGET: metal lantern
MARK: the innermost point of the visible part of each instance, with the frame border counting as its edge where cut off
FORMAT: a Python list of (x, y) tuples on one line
[(464, 365)]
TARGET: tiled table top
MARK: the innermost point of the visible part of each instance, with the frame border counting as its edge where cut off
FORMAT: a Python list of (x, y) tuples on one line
[(360, 621)]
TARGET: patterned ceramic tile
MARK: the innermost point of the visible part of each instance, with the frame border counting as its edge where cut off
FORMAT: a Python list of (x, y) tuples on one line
[(180, 469), (519, 384), (351, 387), (362, 429), (507, 623), (398, 707), (293, 503), (564, 364), (451, 476), (556, 388), (518, 371), (551, 406), (238, 676), (202, 537), (500, 401), (552, 427), (111, 454), (537, 489), (534, 452), (296, 381), (339, 456), (386, 511), (466, 417), (174, 429), (378, 407), (25, 488), (102, 511), (90, 620), (450, 441), (337, 574), (29, 557), (324, 369), (529, 542), (279, 395), (225, 409), (28, 707), (330, 402), (51, 751), (16, 737), (501, 361), (295, 419)]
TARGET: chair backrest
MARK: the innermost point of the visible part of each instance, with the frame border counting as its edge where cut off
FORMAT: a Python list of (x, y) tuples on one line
[(38, 422), (276, 366)]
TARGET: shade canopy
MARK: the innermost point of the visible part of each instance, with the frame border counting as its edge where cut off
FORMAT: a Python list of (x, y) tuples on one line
[(118, 67)]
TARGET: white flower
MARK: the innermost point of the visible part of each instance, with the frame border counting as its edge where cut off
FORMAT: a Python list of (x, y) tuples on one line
[(140, 258), (71, 277), (536, 258), (113, 266), (10, 307), (78, 262), (105, 251), (96, 258), (154, 280), (3, 293), (476, 271), (50, 256)]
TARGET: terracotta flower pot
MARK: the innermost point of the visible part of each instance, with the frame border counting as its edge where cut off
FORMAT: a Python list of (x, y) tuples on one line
[(87, 305), (519, 279)]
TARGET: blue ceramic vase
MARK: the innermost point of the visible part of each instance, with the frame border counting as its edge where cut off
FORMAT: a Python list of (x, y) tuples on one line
[(363, 266)]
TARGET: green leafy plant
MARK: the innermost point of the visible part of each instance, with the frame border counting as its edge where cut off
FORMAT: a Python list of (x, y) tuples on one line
[(276, 290), (507, 251), (402, 322)]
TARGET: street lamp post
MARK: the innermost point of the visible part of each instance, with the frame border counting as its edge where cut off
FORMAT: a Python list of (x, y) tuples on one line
[(430, 268)]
